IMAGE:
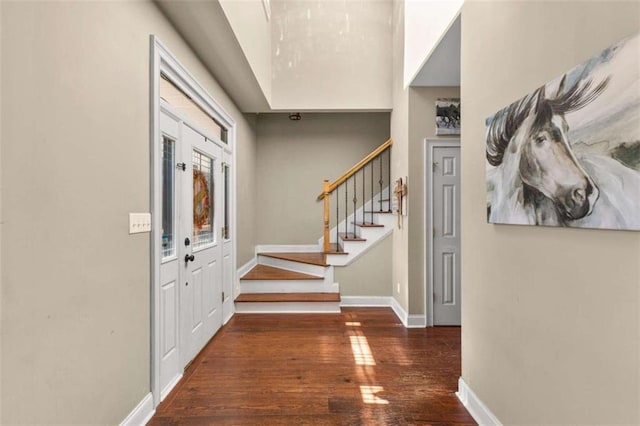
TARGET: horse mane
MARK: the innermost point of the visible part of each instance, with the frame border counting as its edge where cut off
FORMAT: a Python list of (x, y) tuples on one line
[(506, 122), (577, 97), (504, 125)]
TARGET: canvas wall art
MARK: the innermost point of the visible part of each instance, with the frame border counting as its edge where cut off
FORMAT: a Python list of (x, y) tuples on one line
[(448, 116), (568, 154)]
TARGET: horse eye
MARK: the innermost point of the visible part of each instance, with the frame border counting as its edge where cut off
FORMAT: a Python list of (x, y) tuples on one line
[(540, 139)]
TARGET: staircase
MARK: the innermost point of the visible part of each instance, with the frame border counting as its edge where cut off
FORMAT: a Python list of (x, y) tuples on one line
[(286, 281)]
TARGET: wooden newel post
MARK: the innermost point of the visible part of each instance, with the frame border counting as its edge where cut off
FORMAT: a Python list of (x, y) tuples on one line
[(325, 190)]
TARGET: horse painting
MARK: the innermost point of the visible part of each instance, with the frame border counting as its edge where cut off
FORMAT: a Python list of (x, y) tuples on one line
[(448, 117), (536, 177)]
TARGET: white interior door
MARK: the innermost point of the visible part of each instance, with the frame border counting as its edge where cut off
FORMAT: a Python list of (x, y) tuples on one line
[(446, 235), (201, 277)]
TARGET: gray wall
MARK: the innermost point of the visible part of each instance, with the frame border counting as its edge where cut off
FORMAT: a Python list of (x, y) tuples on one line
[(330, 55), (75, 162), (550, 316), (370, 274), (422, 112), (294, 157)]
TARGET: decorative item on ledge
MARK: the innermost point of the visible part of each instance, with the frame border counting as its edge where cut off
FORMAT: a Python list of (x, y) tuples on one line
[(399, 202)]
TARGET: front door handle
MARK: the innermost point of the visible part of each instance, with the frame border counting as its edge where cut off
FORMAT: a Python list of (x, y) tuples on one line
[(189, 257)]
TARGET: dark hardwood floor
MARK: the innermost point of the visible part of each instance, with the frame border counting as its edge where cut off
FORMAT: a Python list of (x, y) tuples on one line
[(361, 367)]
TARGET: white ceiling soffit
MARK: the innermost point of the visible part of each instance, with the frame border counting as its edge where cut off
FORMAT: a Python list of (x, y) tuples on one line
[(204, 26), (442, 67)]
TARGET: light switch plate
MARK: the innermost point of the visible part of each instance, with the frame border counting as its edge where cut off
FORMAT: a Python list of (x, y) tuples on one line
[(139, 222)]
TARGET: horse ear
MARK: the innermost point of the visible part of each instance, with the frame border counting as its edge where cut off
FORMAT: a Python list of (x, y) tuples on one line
[(540, 99), (560, 90)]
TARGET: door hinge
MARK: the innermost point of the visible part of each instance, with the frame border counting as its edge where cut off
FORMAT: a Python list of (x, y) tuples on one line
[(223, 297), (225, 232), (222, 166), (181, 166)]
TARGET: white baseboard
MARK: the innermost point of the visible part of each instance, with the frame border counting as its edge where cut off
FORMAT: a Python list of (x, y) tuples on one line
[(409, 321), (287, 248), (141, 414), (247, 267), (365, 301), (399, 311), (480, 413), (416, 321)]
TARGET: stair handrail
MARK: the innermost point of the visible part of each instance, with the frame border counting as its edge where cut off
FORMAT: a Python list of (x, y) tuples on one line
[(328, 188), (356, 168)]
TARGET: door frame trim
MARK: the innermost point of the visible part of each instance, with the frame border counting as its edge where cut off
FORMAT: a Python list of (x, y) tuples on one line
[(429, 145), (161, 60)]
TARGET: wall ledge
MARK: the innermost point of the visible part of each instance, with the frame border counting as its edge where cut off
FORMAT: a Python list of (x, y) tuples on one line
[(478, 410), (141, 414)]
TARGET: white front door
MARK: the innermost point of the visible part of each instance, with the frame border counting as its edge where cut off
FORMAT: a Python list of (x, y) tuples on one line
[(193, 244), (446, 235), (202, 243)]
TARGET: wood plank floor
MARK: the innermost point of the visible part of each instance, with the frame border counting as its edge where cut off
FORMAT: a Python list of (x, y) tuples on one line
[(360, 367)]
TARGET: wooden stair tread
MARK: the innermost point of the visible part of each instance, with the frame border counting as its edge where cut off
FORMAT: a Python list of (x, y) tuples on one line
[(350, 237), (308, 258), (369, 225), (288, 297), (335, 249), (264, 272)]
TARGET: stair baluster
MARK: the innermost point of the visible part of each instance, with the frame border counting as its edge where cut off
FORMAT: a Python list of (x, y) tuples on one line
[(371, 202), (355, 201), (329, 188), (389, 178), (337, 220), (363, 196), (346, 209)]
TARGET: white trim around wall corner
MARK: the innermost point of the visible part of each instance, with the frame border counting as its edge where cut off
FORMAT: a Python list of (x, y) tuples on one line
[(247, 267), (409, 321), (480, 412), (141, 414), (365, 301)]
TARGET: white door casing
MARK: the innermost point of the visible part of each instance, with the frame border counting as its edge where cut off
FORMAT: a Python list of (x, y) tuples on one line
[(443, 233), (168, 273), (170, 368)]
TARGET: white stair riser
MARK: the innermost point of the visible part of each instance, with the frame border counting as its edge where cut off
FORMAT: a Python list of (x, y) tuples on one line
[(372, 233), (284, 286), (318, 271), (287, 307)]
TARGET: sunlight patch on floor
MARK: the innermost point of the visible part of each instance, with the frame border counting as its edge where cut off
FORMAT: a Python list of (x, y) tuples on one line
[(369, 395), (352, 324), (361, 350)]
